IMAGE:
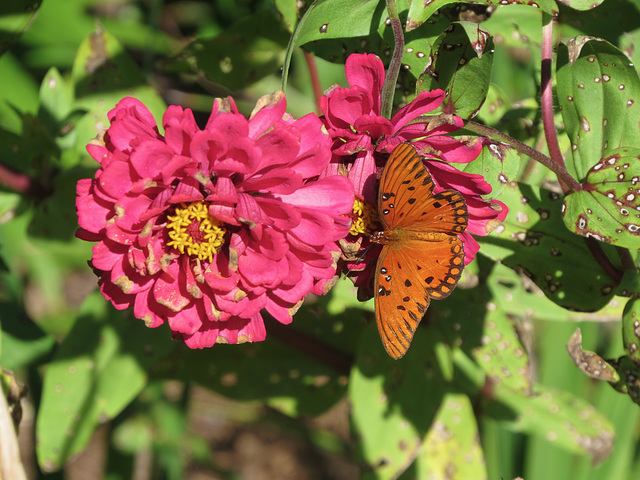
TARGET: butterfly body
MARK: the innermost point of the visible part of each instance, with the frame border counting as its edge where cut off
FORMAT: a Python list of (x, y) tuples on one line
[(421, 257)]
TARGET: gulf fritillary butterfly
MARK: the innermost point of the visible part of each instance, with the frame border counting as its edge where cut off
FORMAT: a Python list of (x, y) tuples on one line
[(421, 257)]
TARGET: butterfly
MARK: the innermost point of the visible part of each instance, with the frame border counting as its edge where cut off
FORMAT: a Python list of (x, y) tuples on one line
[(422, 256)]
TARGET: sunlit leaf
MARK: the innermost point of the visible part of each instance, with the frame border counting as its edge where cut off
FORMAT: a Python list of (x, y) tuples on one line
[(452, 448), (599, 95), (394, 402), (462, 68), (99, 368), (608, 207)]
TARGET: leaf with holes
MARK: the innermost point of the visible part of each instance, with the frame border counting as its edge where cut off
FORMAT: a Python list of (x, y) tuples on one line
[(608, 207), (558, 416), (628, 370), (599, 95), (420, 12), (394, 402), (498, 163), (534, 241), (462, 68), (235, 59), (631, 328), (487, 334), (590, 362), (103, 73), (453, 443)]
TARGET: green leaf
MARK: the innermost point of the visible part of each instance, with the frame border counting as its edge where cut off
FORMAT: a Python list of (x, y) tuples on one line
[(582, 4), (462, 68), (420, 12), (395, 402), (498, 163), (599, 95), (234, 59), (559, 417), (335, 29), (306, 363), (452, 447), (534, 241), (289, 9), (22, 342), (631, 328), (608, 208), (103, 73), (15, 17), (99, 368)]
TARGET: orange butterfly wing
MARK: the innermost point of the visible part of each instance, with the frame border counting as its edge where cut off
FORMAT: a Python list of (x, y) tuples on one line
[(422, 256)]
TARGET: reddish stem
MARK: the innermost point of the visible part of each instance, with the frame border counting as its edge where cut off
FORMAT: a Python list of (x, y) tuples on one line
[(315, 79), (19, 182), (547, 102)]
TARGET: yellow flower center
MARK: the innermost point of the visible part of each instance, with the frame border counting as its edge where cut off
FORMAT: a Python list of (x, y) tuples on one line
[(365, 221), (192, 229)]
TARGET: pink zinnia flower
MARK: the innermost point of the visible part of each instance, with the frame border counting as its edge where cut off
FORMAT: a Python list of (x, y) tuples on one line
[(363, 140), (204, 228)]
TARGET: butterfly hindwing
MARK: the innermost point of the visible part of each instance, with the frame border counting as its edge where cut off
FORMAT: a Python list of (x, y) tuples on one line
[(438, 264), (400, 304)]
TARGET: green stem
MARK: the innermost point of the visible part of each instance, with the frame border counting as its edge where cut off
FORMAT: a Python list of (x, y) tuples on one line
[(389, 87), (558, 169)]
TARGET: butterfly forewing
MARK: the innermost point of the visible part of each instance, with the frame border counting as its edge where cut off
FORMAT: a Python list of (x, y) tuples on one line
[(403, 183), (406, 201)]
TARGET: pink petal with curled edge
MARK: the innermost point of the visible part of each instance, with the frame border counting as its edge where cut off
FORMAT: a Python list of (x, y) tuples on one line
[(142, 309), (106, 254), (231, 127), (279, 147), (241, 157), (167, 292), (132, 208), (207, 147), (115, 295), (257, 270), (278, 311), (278, 181), (426, 101), (130, 122), (314, 229), (93, 213), (366, 71), (273, 244), (127, 279), (187, 191), (115, 180), (279, 213), (150, 157), (346, 105), (264, 119), (373, 125), (331, 195), (187, 321), (179, 128)]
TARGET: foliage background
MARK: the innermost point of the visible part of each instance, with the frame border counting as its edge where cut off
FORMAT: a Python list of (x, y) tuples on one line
[(488, 389)]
